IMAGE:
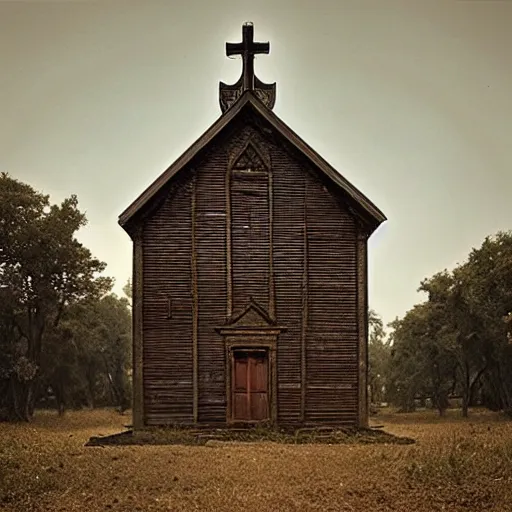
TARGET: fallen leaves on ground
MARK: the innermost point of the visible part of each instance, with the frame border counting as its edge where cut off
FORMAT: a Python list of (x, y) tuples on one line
[(457, 464)]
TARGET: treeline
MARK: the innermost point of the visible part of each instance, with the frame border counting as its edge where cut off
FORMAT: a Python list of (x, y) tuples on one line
[(64, 337), (457, 343)]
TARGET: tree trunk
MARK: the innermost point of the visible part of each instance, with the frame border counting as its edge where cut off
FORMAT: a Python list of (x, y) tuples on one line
[(465, 401), (17, 403), (473, 384), (504, 393), (90, 388), (28, 406), (465, 390), (59, 399), (465, 406), (34, 395)]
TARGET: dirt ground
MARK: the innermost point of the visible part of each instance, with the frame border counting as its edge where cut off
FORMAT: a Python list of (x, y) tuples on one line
[(455, 465)]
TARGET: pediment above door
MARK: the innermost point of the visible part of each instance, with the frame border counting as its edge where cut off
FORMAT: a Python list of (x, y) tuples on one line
[(252, 319)]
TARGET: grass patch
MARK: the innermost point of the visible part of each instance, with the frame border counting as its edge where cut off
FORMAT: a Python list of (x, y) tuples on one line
[(455, 465), (459, 457)]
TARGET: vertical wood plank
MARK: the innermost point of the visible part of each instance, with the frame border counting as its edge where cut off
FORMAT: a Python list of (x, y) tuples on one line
[(229, 268), (304, 330), (271, 283), (273, 380), (210, 247), (137, 330), (229, 391), (362, 317), (168, 358), (288, 263), (195, 307)]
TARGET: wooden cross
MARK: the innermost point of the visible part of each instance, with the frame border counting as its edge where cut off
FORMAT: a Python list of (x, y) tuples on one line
[(247, 49)]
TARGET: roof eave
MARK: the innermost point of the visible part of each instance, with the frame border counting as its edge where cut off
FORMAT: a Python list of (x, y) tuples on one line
[(181, 161), (376, 214)]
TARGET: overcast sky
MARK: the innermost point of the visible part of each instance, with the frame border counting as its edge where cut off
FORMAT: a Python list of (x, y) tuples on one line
[(410, 100)]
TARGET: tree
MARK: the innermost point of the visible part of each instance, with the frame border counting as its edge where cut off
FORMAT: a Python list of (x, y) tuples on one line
[(378, 358), (477, 298), (456, 326), (86, 361), (486, 287), (421, 365), (459, 339), (43, 270), (128, 289), (114, 330)]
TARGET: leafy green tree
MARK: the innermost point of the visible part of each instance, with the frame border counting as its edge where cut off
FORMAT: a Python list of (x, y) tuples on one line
[(476, 298), (128, 289), (458, 341), (485, 284), (114, 336), (378, 358), (421, 365), (88, 358), (43, 270)]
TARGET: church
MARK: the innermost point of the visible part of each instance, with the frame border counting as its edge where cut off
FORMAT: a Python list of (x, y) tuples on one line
[(250, 276)]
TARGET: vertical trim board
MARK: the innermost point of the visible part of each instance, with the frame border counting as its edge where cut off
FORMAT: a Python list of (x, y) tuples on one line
[(195, 307), (229, 261), (303, 355), (362, 317), (138, 340)]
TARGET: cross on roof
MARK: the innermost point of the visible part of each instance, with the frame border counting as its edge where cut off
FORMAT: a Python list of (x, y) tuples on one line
[(247, 49)]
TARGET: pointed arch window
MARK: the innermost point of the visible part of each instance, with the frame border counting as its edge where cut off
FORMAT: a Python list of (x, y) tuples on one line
[(250, 226), (250, 163)]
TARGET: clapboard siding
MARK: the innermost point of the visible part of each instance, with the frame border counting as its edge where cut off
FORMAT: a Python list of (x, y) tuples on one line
[(212, 289), (167, 348), (288, 238), (332, 331), (280, 237)]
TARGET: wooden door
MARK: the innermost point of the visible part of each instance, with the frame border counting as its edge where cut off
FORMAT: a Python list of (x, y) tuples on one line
[(250, 386)]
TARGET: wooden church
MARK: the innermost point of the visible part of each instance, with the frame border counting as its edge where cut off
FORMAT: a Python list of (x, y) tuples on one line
[(250, 276)]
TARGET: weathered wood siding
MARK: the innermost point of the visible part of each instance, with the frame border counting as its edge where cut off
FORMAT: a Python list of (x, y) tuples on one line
[(250, 240), (281, 237), (316, 298), (167, 349), (289, 211), (331, 347), (212, 286)]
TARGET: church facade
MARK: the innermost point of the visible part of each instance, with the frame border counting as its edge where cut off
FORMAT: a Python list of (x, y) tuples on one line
[(250, 276)]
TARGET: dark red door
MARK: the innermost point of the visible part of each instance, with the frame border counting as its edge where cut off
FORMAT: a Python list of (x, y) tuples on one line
[(250, 386)]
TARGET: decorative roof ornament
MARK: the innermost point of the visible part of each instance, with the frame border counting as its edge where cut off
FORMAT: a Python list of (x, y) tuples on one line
[(248, 81)]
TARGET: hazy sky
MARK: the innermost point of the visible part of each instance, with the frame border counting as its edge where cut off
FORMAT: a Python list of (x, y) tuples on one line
[(410, 100)]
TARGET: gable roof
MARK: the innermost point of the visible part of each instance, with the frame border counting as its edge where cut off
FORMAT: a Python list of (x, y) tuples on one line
[(248, 99)]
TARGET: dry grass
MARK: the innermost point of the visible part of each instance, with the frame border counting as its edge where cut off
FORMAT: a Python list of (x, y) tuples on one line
[(455, 465)]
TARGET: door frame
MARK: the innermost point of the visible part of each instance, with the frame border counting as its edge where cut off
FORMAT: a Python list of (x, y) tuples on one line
[(250, 352), (266, 343)]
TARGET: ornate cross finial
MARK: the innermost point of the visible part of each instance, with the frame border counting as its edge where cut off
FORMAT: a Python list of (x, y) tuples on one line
[(228, 94), (247, 49)]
